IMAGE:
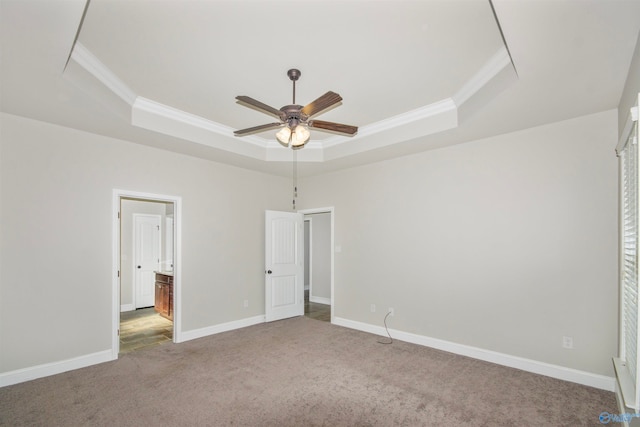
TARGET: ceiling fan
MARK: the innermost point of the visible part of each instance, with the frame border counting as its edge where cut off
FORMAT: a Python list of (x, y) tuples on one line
[(295, 120)]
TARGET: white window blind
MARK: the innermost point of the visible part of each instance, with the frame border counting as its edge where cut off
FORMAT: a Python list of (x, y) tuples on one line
[(626, 364)]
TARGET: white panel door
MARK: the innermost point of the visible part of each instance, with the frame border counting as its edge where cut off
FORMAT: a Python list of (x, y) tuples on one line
[(147, 257), (284, 265)]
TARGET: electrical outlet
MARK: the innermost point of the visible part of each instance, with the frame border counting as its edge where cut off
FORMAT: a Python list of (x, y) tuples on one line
[(567, 342), (373, 308), (246, 303), (391, 312)]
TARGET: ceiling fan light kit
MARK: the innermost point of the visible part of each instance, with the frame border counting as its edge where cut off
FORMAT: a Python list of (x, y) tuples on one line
[(297, 136), (294, 119)]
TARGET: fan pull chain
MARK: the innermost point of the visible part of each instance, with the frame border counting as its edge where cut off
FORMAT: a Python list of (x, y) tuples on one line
[(295, 178)]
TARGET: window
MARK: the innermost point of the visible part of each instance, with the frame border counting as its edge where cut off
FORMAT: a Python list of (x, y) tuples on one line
[(626, 364)]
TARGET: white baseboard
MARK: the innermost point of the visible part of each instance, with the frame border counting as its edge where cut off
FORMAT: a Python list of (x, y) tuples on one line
[(53, 368), (127, 307), (568, 374), (40, 371), (320, 300), (223, 327), (560, 372)]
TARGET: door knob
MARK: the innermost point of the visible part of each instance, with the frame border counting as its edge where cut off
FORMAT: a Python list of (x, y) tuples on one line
[(269, 271), (139, 266)]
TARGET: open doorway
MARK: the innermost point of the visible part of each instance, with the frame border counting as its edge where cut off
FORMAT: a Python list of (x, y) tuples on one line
[(319, 263), (146, 288)]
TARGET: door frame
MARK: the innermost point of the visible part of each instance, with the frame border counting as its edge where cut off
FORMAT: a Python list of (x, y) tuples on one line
[(331, 211), (308, 248), (119, 194)]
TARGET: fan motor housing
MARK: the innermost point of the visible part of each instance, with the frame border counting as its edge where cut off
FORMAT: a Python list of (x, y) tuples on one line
[(293, 115)]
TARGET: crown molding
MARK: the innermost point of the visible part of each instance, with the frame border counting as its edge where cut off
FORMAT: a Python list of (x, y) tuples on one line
[(429, 119), (83, 57), (165, 111), (160, 118), (428, 111), (493, 67), (623, 139)]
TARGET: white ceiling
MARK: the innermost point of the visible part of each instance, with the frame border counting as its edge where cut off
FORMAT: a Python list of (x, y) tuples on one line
[(414, 75)]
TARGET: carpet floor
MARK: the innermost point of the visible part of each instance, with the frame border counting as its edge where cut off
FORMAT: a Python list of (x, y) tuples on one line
[(299, 372)]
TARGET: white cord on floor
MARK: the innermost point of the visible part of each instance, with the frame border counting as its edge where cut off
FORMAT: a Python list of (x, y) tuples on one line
[(385, 326)]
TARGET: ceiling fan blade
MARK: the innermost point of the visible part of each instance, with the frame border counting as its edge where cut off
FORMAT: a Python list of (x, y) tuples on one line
[(334, 127), (256, 129), (259, 106), (322, 104)]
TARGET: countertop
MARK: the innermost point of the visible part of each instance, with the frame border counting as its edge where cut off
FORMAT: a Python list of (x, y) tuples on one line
[(165, 273)]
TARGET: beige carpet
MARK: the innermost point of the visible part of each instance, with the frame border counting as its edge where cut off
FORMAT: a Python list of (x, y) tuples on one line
[(299, 372)]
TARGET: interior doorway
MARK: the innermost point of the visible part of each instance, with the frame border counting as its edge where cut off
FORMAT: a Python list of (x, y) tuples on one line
[(319, 283), (146, 234)]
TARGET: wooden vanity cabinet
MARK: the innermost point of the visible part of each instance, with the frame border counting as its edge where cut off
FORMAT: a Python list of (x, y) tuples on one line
[(164, 295)]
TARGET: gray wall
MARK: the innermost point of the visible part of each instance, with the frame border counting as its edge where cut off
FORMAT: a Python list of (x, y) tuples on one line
[(56, 237), (632, 87), (505, 244)]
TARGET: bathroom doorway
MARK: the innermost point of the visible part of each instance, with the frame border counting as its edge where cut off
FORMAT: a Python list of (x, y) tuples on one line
[(146, 292)]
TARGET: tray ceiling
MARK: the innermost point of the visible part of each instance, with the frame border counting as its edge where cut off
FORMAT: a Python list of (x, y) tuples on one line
[(414, 75)]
